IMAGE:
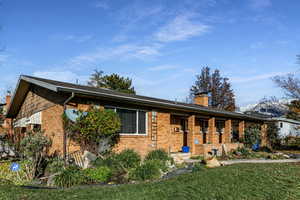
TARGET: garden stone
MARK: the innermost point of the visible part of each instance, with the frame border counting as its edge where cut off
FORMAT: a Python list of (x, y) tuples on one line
[(50, 181), (211, 163), (286, 156), (88, 158)]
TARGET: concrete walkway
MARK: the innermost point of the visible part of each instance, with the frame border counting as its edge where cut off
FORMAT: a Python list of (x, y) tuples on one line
[(230, 162)]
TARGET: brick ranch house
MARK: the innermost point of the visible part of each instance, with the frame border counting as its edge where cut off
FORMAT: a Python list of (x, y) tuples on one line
[(147, 123)]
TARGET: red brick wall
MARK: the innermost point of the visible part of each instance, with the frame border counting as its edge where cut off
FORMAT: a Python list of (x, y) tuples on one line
[(164, 131), (140, 143), (38, 99), (52, 125)]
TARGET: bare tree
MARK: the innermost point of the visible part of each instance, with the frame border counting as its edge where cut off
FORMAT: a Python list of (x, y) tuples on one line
[(290, 84)]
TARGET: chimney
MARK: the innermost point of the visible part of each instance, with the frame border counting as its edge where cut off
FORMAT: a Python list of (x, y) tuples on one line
[(201, 99), (7, 100)]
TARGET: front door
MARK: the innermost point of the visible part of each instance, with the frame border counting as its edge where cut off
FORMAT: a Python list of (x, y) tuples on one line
[(184, 128)]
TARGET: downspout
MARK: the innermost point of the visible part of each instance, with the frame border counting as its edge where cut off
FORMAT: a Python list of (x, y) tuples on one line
[(65, 134)]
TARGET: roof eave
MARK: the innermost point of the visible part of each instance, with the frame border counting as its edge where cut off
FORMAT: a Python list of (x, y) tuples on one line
[(160, 104)]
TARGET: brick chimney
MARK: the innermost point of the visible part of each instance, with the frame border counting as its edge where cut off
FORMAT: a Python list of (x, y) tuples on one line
[(201, 99), (7, 101), (7, 122)]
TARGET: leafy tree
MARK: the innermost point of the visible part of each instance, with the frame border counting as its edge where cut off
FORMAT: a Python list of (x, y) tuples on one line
[(96, 125), (96, 79), (112, 81), (221, 93)]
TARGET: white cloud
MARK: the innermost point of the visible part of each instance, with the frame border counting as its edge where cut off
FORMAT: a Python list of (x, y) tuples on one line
[(257, 45), (65, 76), (128, 51), (181, 28), (78, 38), (256, 77), (162, 67), (102, 4), (72, 37), (260, 4), (3, 58)]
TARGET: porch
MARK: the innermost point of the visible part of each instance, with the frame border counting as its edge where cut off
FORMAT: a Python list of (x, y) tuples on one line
[(205, 135)]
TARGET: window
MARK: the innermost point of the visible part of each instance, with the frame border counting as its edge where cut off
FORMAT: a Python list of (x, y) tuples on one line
[(203, 126), (281, 124), (220, 125), (132, 121)]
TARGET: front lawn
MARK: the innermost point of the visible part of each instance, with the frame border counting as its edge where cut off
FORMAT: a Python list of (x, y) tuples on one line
[(243, 181)]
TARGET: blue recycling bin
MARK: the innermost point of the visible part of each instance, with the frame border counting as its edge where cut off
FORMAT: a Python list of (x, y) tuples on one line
[(185, 149)]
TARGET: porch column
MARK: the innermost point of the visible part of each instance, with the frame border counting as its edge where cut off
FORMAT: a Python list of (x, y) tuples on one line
[(241, 130), (191, 133), (263, 133), (227, 132), (212, 137)]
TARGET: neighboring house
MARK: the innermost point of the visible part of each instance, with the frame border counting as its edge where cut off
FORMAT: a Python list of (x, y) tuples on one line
[(287, 127), (147, 123), (276, 112)]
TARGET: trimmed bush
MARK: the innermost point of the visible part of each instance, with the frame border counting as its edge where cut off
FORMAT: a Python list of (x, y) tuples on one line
[(129, 159), (69, 177), (147, 171), (99, 174)]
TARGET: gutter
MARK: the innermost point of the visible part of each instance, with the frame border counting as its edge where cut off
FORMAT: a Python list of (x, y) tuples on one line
[(65, 134)]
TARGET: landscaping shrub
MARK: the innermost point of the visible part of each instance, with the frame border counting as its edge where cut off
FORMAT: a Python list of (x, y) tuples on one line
[(160, 158), (198, 167), (265, 149), (244, 151), (99, 174), (252, 135), (162, 165), (273, 135), (128, 159), (89, 129), (70, 176), (147, 171), (158, 154), (33, 147), (54, 165)]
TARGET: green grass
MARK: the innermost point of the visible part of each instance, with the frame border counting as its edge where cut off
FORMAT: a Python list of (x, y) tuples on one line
[(243, 181)]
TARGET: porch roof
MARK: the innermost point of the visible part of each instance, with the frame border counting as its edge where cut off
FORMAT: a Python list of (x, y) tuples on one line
[(91, 92)]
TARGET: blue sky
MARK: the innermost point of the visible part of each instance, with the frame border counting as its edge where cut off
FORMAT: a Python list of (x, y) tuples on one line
[(160, 44)]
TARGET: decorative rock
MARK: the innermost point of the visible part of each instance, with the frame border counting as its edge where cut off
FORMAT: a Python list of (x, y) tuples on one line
[(88, 157), (211, 163), (50, 181)]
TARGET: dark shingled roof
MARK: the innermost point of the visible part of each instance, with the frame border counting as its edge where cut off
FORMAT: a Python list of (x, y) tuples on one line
[(59, 86)]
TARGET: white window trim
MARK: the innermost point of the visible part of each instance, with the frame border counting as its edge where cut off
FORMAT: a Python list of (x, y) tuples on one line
[(137, 121)]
